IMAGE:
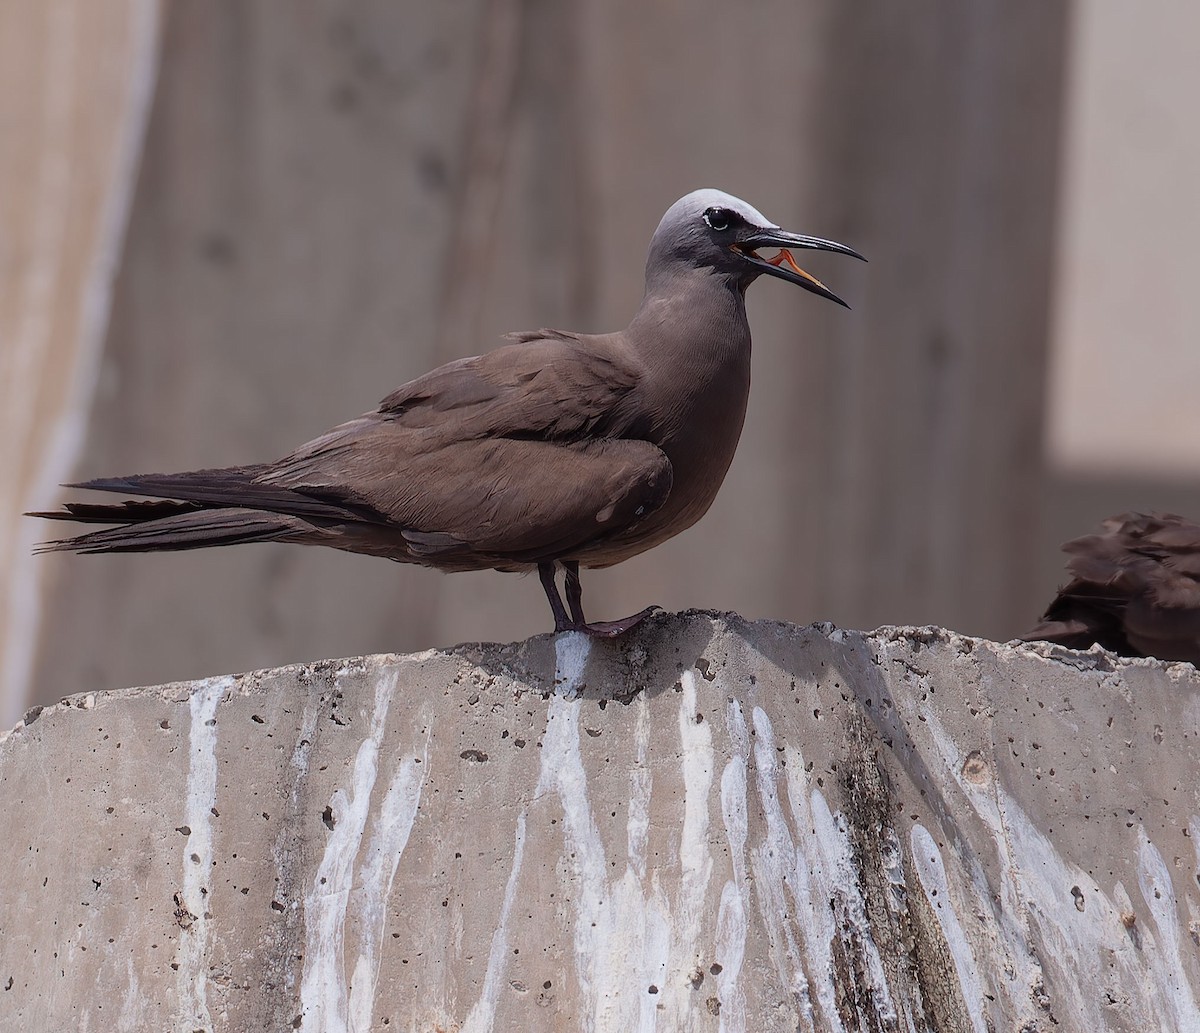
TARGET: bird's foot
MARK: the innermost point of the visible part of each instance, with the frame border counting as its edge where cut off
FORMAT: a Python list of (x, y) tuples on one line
[(576, 621), (611, 629)]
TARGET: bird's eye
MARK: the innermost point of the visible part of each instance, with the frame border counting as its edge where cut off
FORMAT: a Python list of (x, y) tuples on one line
[(720, 219)]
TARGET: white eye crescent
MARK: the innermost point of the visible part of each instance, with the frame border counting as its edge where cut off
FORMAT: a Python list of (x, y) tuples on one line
[(719, 219)]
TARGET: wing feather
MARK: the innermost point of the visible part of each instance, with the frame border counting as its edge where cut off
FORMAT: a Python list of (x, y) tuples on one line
[(1135, 589)]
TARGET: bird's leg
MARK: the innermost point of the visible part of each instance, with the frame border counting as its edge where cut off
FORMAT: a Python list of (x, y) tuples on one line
[(601, 629), (574, 592), (561, 621)]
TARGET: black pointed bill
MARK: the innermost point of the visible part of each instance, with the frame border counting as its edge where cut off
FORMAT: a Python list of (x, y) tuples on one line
[(784, 265)]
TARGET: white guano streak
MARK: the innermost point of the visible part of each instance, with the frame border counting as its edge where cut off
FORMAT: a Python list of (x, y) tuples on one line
[(562, 772), (824, 850), (681, 1004), (131, 1017), (1154, 880), (1092, 948), (628, 936), (482, 1017), (1080, 950), (1011, 912), (323, 996), (811, 862), (283, 850), (1193, 829), (571, 651), (191, 953), (622, 930), (778, 875), (389, 837), (731, 915), (931, 872)]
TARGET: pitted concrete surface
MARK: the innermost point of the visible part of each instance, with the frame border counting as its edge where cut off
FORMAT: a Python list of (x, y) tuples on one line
[(707, 825)]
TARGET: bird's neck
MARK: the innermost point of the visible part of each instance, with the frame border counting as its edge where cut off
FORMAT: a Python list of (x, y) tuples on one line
[(692, 321), (693, 338)]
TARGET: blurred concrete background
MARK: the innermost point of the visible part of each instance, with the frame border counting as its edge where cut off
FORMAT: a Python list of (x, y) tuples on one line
[(226, 225)]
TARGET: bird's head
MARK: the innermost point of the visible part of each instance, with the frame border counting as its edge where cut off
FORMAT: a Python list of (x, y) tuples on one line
[(709, 229)]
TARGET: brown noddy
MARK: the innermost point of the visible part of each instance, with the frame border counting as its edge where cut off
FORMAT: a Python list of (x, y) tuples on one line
[(1135, 590), (557, 450)]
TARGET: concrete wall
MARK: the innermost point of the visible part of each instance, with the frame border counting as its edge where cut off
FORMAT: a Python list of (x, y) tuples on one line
[(76, 81), (1127, 311), (709, 825)]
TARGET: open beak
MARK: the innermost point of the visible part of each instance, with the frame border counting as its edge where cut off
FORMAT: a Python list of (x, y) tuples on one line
[(783, 264)]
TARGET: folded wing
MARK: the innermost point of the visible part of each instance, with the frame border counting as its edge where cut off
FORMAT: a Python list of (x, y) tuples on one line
[(501, 460)]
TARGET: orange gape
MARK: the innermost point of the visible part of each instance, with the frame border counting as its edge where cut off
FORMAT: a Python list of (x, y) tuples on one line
[(786, 256)]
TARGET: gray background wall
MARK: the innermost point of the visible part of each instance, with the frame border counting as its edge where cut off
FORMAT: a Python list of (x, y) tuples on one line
[(326, 199)]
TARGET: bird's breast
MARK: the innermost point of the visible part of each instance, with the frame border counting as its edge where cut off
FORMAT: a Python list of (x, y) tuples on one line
[(698, 427)]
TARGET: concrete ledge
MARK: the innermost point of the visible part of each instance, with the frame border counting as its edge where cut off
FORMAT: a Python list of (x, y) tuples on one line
[(709, 825)]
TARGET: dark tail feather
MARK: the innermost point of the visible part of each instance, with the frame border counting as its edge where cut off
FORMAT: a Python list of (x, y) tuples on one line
[(121, 513), (197, 529), (230, 487)]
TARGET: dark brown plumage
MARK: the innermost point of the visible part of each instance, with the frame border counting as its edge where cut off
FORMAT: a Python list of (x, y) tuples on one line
[(1135, 590), (557, 450)]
